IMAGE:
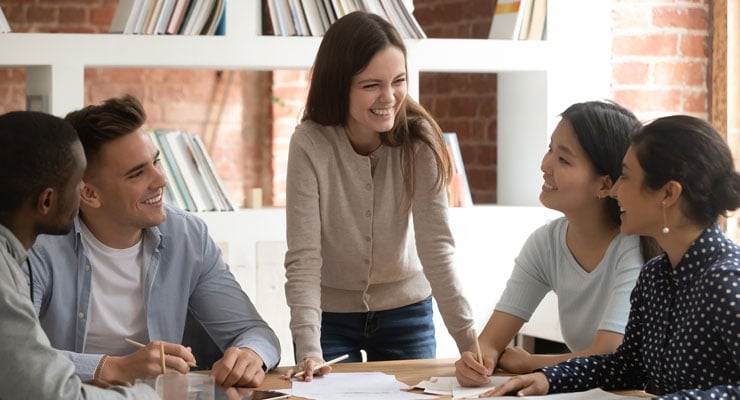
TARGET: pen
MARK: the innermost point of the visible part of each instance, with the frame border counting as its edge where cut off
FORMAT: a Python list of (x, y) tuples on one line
[(330, 362), (142, 345)]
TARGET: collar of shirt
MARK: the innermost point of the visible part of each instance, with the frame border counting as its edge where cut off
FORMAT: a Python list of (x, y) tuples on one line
[(12, 245), (151, 235), (697, 258)]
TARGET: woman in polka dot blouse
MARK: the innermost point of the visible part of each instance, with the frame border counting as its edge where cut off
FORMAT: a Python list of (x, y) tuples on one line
[(682, 337)]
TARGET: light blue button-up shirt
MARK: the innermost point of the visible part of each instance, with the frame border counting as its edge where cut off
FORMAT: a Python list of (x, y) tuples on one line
[(184, 271)]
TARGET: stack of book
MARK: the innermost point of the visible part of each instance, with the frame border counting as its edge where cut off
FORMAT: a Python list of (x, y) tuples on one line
[(4, 25), (519, 20), (192, 181), (458, 190), (173, 17), (313, 17)]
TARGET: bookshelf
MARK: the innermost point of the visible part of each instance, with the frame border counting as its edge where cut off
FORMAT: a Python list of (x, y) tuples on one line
[(536, 80)]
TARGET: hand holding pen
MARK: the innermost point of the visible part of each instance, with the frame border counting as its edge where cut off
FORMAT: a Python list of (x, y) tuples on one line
[(313, 366)]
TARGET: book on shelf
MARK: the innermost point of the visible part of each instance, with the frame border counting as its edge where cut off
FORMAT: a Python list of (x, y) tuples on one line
[(160, 26), (525, 9), (192, 181), (4, 25), (215, 18), (286, 25), (406, 10), (329, 9), (177, 192), (124, 17), (507, 20), (537, 23), (270, 22), (299, 18), (519, 20), (313, 17), (458, 190), (324, 14), (152, 16), (178, 12), (174, 17)]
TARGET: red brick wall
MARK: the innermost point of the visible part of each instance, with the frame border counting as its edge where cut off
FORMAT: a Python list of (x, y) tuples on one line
[(290, 89), (660, 56)]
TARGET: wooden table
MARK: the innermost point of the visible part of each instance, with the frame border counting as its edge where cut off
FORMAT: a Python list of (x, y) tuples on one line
[(409, 372)]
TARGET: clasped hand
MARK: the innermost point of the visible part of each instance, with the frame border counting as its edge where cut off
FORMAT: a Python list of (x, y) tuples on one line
[(238, 366)]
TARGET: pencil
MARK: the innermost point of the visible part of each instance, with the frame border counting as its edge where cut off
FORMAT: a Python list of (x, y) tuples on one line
[(161, 355), (330, 362), (134, 343), (477, 347), (142, 345)]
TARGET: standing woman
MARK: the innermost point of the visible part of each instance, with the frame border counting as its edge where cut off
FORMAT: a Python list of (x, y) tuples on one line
[(682, 335), (368, 234)]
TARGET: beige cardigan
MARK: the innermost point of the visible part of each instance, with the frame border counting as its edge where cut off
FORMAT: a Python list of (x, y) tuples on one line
[(351, 241)]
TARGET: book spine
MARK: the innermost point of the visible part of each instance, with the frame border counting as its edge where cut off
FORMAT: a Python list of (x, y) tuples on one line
[(171, 195), (177, 175), (201, 168), (218, 184), (186, 163)]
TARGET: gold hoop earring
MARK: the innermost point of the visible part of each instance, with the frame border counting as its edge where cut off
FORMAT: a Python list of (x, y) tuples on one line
[(665, 221)]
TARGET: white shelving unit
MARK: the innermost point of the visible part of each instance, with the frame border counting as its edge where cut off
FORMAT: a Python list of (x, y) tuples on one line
[(536, 81)]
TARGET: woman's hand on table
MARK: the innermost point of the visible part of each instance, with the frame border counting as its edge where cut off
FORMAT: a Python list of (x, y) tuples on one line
[(306, 369), (533, 384)]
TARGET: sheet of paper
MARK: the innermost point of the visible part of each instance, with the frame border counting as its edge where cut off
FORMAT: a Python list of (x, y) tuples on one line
[(359, 385), (448, 386), (460, 392)]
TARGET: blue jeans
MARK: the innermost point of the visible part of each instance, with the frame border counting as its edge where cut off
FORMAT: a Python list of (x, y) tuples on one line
[(398, 334)]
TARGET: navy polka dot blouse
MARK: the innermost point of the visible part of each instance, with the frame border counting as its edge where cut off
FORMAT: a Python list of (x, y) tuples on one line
[(683, 334)]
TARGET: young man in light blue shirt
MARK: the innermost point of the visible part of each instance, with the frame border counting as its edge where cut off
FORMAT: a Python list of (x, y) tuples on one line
[(133, 267)]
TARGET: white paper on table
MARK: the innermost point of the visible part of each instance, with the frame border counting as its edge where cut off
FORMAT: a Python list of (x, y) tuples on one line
[(399, 395), (448, 386), (356, 385)]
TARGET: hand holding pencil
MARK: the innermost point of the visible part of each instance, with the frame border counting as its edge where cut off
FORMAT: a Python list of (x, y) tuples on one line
[(474, 368), (146, 361)]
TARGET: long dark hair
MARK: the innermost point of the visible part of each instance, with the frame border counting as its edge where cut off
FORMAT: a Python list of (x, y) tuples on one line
[(346, 49), (604, 129)]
